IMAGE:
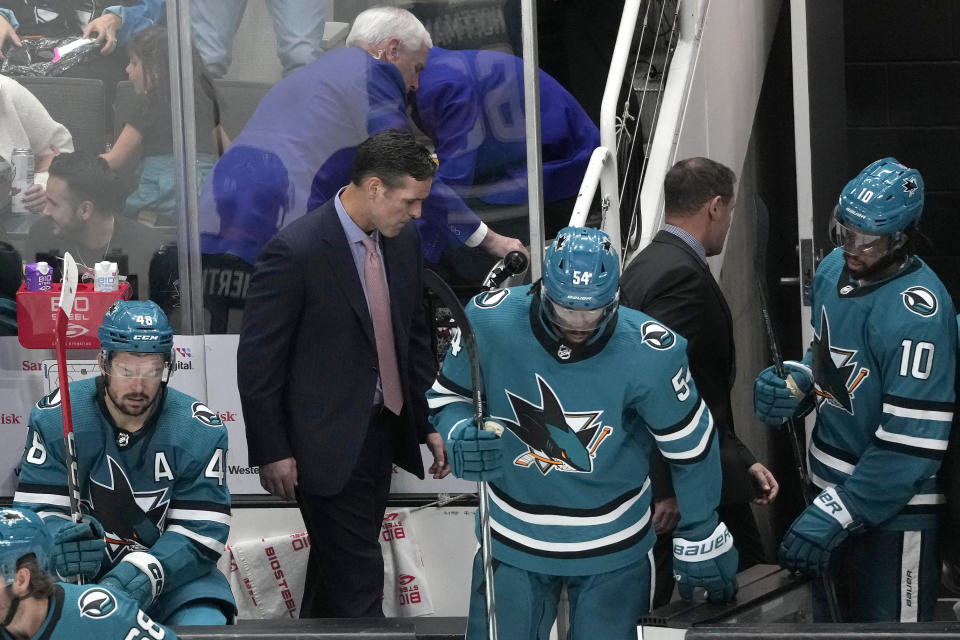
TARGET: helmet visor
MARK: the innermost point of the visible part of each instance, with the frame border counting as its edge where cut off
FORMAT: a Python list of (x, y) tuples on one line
[(576, 320), (856, 241)]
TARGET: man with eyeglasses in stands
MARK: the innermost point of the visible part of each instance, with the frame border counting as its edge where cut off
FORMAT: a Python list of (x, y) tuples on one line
[(151, 463)]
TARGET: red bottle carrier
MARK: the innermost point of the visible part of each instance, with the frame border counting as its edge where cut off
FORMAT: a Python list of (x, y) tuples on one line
[(37, 315)]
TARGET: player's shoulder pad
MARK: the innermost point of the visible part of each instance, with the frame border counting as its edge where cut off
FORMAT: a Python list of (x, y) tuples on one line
[(505, 297), (179, 405), (497, 308), (96, 602), (78, 389), (917, 300), (646, 332)]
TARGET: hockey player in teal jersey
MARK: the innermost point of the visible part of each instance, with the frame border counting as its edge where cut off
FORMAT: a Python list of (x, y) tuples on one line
[(583, 390), (151, 463), (880, 373), (34, 605)]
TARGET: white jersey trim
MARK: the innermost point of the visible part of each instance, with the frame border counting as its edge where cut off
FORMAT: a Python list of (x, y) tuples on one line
[(571, 547), (42, 498), (928, 498), (935, 444), (917, 414), (208, 542), (696, 451), (197, 515), (834, 463), (436, 403), (687, 430), (568, 521)]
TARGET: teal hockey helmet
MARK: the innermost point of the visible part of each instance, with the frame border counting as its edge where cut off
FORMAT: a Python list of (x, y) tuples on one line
[(136, 326), (22, 532), (886, 197), (581, 279), (877, 208)]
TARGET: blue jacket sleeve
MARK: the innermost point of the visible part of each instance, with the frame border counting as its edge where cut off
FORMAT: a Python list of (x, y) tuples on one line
[(138, 17)]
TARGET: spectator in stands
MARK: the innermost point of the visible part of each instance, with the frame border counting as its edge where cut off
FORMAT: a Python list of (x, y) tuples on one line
[(25, 124), (297, 24), (84, 197), (314, 119), (145, 144), (470, 103), (112, 26)]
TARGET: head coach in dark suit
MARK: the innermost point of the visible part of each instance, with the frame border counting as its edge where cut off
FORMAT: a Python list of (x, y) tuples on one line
[(670, 281), (333, 363)]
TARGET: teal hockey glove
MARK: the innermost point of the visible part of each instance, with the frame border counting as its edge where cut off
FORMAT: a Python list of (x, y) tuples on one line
[(78, 548), (776, 400), (139, 575), (710, 563), (816, 533), (477, 455)]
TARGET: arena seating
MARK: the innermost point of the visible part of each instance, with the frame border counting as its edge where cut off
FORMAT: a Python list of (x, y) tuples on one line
[(76, 103)]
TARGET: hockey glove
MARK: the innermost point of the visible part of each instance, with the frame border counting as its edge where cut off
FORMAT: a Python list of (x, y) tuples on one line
[(477, 454), (78, 548), (816, 532), (710, 563), (139, 575), (776, 400)]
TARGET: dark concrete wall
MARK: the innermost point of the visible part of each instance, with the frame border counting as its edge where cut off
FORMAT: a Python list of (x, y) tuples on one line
[(902, 69)]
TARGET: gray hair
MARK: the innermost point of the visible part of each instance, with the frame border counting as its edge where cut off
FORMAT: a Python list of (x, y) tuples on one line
[(379, 24)]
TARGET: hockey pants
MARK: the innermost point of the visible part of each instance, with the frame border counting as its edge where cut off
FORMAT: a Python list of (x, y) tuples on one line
[(605, 605)]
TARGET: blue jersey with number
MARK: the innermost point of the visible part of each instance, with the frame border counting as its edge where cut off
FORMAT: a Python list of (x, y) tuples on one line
[(580, 427), (93, 612), (883, 360), (471, 105), (160, 490)]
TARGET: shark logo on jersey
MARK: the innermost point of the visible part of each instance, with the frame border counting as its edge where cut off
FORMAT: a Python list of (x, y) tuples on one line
[(96, 603), (835, 372), (131, 519), (202, 413), (657, 336), (556, 440), (920, 301), (490, 299), (50, 401)]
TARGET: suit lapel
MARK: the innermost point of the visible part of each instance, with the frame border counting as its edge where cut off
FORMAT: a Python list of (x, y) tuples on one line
[(344, 270), (669, 238)]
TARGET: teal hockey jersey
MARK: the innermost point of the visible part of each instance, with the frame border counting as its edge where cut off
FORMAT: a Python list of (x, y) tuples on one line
[(580, 427), (883, 361), (161, 490), (93, 612)]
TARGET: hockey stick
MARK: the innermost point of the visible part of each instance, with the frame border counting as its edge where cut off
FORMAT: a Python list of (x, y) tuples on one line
[(469, 340), (795, 430), (68, 293)]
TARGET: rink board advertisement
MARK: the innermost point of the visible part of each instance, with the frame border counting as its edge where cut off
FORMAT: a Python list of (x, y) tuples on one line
[(206, 368)]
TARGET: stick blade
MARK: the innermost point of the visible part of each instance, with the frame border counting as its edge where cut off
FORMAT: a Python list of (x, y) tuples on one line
[(68, 290)]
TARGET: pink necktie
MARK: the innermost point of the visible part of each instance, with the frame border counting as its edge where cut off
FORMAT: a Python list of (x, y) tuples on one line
[(379, 301)]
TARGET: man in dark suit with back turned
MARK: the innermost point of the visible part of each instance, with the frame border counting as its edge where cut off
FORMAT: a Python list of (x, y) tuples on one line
[(670, 281), (333, 363)]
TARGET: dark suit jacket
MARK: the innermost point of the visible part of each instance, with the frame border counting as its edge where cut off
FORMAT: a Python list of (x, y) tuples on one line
[(307, 363), (669, 282)]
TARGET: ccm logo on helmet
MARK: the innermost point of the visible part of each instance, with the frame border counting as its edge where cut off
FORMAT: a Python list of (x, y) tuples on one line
[(147, 338)]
